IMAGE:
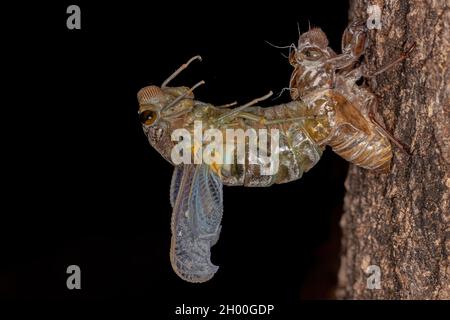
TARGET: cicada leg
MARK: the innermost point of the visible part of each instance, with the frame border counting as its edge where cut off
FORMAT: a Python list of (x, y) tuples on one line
[(178, 71), (353, 46), (233, 113), (224, 106), (372, 111), (392, 64), (354, 39), (286, 120), (178, 99), (264, 121)]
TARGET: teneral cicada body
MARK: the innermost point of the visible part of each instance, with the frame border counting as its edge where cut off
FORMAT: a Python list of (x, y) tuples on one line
[(296, 150), (326, 82), (196, 189)]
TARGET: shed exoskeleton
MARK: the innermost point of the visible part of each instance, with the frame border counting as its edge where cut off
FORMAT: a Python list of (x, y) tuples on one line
[(326, 82)]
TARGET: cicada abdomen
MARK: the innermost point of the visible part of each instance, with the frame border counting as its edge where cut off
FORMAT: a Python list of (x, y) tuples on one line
[(356, 138), (297, 152)]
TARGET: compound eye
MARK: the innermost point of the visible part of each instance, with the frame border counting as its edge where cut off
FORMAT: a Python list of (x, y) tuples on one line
[(312, 54), (148, 117)]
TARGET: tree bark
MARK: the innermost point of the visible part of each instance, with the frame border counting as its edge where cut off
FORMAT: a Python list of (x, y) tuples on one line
[(400, 221)]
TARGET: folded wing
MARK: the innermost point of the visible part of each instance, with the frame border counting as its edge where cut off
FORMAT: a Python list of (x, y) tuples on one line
[(197, 200)]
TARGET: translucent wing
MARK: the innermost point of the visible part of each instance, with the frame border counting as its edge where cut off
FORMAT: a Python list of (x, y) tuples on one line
[(175, 185), (197, 212)]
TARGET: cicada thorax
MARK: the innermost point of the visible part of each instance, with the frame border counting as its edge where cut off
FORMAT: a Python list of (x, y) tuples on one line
[(307, 80)]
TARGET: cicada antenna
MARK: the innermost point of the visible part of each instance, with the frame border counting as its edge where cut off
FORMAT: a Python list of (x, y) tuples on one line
[(282, 47), (178, 71), (278, 47), (281, 92)]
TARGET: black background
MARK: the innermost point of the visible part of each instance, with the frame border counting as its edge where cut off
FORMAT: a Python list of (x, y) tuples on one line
[(83, 186)]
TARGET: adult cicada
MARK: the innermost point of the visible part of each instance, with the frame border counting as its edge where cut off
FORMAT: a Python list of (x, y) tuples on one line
[(196, 189)]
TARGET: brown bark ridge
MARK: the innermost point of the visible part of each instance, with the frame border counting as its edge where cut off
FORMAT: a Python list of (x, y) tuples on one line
[(400, 221)]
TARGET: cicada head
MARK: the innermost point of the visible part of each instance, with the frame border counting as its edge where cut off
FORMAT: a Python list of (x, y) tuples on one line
[(151, 100), (163, 109), (312, 49), (162, 104), (160, 110)]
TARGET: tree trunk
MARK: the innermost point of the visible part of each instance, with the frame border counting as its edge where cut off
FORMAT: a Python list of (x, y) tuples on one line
[(399, 222)]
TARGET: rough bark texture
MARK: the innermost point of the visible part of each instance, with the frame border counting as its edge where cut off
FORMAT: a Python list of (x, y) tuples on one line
[(401, 221)]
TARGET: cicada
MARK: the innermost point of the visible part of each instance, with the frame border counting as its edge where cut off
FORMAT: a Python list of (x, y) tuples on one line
[(328, 108), (326, 82), (196, 189)]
